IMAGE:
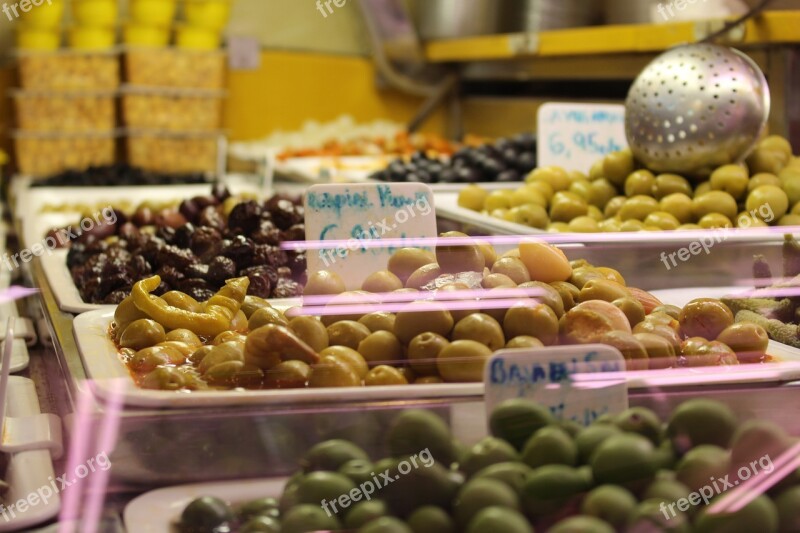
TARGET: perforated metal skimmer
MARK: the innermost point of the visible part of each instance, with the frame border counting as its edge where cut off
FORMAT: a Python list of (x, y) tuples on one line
[(696, 107)]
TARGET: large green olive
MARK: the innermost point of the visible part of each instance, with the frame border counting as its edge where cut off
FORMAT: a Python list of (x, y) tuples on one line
[(142, 333), (266, 315), (423, 275), (524, 341), (164, 378), (481, 328), (148, 359), (513, 268), (639, 182), (199, 354), (324, 282), (333, 372), (602, 289), (126, 313), (184, 335), (580, 325), (384, 375), (493, 281), (206, 514), (270, 344), (748, 340), (667, 184), (705, 317), (423, 351), (347, 333), (405, 261), (287, 375), (568, 292), (252, 304), (381, 281), (630, 347), (420, 317), (581, 275), (659, 350), (546, 294), (381, 346), (311, 331), (531, 319), (182, 301), (463, 361), (349, 356), (182, 347), (377, 321), (222, 353), (228, 336), (459, 257), (633, 309)]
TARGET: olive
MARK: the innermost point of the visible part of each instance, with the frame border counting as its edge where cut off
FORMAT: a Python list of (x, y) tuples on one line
[(624, 459), (582, 275), (748, 340), (347, 333), (602, 289), (705, 317), (524, 341), (126, 313), (759, 514), (184, 335), (639, 182), (311, 331), (638, 207), (661, 352), (268, 345), (423, 351), (556, 177), (488, 252), (567, 205), (549, 445), (417, 429), (679, 205), (164, 378), (365, 512), (253, 303), (332, 455), (544, 261), (222, 353), (405, 261), (671, 310), (228, 336), (182, 301), (206, 514), (701, 421), (543, 187), (324, 282), (381, 281), (333, 372), (714, 202), (460, 257), (733, 179), (142, 333), (266, 315), (478, 494), (384, 375), (769, 197), (662, 220), (421, 317), (614, 206), (310, 517), (584, 224), (610, 503), (715, 221), (386, 524), (261, 524), (601, 191), (431, 519), (423, 276), (546, 294), (548, 488), (531, 319), (596, 214), (527, 195), (481, 328), (287, 375), (349, 356), (493, 281), (516, 420), (631, 348), (617, 166), (568, 293), (463, 361), (380, 346), (633, 309), (513, 268), (472, 197), (500, 199), (378, 321)]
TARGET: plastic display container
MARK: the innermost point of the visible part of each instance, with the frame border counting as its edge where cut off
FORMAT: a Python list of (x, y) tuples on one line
[(65, 112), (177, 110), (171, 67), (69, 70), (170, 152), (44, 154)]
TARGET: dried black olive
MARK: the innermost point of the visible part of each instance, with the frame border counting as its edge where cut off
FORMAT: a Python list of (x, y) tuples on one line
[(287, 288), (176, 257), (295, 233), (170, 274), (183, 235), (221, 269), (260, 282), (240, 249), (206, 242), (199, 289), (245, 217), (209, 216)]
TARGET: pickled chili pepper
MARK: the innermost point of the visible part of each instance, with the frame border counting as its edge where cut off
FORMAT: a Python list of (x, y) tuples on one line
[(215, 318), (761, 271), (791, 257)]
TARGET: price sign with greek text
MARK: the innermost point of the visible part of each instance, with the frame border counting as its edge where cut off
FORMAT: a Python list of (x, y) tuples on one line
[(579, 383), (365, 223), (575, 136)]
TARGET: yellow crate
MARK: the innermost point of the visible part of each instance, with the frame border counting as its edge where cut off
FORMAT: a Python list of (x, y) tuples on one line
[(42, 155), (65, 112), (171, 67), (69, 71), (172, 153), (172, 110)]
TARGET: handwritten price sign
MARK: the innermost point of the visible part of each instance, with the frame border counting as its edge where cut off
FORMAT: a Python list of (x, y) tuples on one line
[(574, 136)]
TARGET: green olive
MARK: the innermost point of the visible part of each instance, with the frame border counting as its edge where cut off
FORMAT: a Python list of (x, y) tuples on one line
[(199, 354), (349, 299), (493, 281), (463, 361), (381, 346), (763, 178), (580, 325), (463, 257), (287, 375), (148, 359), (264, 316), (423, 275), (568, 292), (526, 195), (602, 289), (714, 202), (252, 303), (639, 182), (324, 282), (165, 378), (666, 184), (546, 294), (423, 351), (524, 341), (354, 359), (227, 336), (733, 179), (310, 330), (659, 350), (499, 200), (582, 275), (222, 353), (142, 333), (748, 340), (632, 308), (512, 267), (556, 177), (601, 192), (638, 207), (629, 346), (662, 220), (182, 301), (769, 198), (185, 349), (715, 221), (671, 310), (347, 333), (384, 375), (206, 514), (678, 205), (378, 321), (664, 331), (581, 187), (405, 261), (126, 313), (184, 335), (705, 317), (566, 206), (617, 166), (381, 281), (531, 215), (614, 205), (472, 197), (234, 374), (531, 319), (584, 224), (481, 328), (420, 317), (333, 372)]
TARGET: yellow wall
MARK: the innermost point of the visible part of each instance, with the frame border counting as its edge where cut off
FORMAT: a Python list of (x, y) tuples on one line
[(292, 87)]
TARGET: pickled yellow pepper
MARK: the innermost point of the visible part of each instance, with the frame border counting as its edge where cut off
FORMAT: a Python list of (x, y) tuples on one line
[(218, 313)]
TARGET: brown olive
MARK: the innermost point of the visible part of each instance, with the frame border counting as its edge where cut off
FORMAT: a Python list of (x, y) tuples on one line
[(349, 356), (513, 268), (748, 340), (546, 294), (142, 333), (423, 351), (422, 316), (287, 375), (466, 257), (568, 293), (629, 346), (311, 331), (381, 346), (264, 316), (524, 341), (463, 361), (377, 321), (184, 335), (497, 280), (381, 281), (347, 333), (324, 282), (423, 275), (252, 303), (148, 359), (384, 375), (531, 319), (182, 301), (481, 328), (333, 372), (405, 261), (659, 350), (632, 308), (603, 289), (705, 317), (672, 310)]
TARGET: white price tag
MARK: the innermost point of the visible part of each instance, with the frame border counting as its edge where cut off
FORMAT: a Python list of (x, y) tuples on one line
[(574, 136), (357, 217), (579, 383)]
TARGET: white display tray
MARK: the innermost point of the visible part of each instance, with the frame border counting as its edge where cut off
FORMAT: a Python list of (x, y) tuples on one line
[(61, 284), (30, 470), (159, 510), (107, 373)]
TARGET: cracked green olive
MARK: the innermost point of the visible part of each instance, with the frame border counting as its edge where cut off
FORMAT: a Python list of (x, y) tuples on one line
[(377, 321), (228, 336), (423, 275), (497, 280), (164, 378), (142, 333), (659, 350), (630, 347), (748, 340), (148, 359), (546, 294), (568, 293)]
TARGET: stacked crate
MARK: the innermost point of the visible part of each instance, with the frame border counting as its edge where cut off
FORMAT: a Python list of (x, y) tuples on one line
[(66, 107), (172, 99)]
